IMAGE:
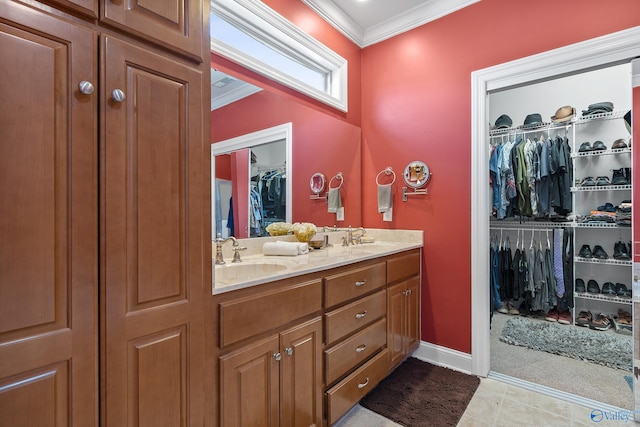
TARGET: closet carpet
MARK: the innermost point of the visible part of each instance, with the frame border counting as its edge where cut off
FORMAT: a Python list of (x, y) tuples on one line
[(593, 381)]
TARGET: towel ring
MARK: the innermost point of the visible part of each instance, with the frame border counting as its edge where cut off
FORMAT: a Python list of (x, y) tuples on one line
[(387, 171), (339, 177)]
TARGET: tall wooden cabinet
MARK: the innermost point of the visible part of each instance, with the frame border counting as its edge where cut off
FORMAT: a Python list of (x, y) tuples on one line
[(103, 148)]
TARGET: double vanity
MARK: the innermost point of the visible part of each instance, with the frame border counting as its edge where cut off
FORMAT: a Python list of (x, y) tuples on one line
[(301, 339)]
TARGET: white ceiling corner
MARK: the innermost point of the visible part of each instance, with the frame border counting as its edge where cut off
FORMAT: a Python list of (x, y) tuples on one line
[(372, 21)]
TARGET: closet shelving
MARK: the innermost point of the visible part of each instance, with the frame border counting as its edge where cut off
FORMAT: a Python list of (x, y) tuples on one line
[(606, 127)]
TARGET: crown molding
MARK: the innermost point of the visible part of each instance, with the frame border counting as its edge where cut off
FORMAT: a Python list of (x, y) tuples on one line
[(412, 18)]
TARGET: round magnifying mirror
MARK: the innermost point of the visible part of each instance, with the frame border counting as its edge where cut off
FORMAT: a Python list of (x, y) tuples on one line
[(416, 174), (317, 183)]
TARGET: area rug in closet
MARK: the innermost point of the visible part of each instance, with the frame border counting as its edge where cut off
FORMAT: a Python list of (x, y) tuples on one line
[(419, 394), (602, 347)]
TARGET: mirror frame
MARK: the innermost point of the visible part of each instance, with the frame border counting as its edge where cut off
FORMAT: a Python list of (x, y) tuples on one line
[(261, 137), (269, 27)]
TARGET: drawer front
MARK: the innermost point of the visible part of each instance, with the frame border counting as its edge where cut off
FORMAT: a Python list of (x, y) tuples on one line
[(344, 395), (348, 354), (354, 283), (245, 317), (343, 321), (403, 266)]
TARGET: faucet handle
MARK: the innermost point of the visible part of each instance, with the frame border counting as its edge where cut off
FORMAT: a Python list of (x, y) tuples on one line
[(236, 253)]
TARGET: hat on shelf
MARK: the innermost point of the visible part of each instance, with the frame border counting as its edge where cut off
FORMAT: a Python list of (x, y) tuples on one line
[(598, 108), (564, 114), (627, 121), (533, 120), (503, 122)]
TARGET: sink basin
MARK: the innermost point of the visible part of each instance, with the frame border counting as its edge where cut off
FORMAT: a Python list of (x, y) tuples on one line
[(230, 273)]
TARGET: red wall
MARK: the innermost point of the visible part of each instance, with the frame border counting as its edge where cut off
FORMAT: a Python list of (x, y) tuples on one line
[(416, 105)]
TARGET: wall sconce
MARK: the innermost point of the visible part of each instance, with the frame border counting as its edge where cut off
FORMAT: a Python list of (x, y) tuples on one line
[(416, 175)]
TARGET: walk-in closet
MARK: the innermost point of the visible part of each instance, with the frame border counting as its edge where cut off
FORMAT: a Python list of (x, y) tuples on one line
[(560, 234)]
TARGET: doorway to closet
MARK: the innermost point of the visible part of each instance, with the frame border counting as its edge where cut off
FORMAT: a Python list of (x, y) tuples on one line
[(595, 54)]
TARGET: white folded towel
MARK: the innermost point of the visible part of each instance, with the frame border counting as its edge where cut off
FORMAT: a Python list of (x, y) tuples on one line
[(334, 200), (384, 198), (285, 248)]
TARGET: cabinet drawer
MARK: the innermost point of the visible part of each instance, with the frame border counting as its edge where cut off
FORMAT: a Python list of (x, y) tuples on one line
[(359, 313), (348, 392), (245, 317), (348, 354), (403, 266), (354, 283)]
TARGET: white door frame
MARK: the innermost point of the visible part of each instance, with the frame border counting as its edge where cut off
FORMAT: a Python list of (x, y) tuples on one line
[(595, 53)]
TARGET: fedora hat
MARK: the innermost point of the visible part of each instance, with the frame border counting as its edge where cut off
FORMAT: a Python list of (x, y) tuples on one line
[(503, 122), (564, 114), (533, 120)]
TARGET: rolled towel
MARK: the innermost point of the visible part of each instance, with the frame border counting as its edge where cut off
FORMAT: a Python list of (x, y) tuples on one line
[(285, 248), (334, 200), (384, 198)]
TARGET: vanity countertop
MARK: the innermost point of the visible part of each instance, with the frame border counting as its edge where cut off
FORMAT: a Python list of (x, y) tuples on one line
[(256, 269)]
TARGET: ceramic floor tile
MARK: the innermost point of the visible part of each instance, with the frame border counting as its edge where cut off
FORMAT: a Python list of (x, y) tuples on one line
[(362, 417), (539, 400), (514, 413), (468, 421), (582, 415)]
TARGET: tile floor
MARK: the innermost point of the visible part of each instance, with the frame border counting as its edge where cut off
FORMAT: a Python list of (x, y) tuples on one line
[(497, 403)]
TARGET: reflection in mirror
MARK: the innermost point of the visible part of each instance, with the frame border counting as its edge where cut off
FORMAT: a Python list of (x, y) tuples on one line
[(249, 182)]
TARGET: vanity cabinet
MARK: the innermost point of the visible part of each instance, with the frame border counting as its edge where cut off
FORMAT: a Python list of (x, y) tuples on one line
[(272, 372), (102, 271), (403, 306)]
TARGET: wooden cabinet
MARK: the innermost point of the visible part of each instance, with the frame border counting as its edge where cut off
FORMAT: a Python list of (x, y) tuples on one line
[(174, 24), (104, 237), (48, 222), (403, 307), (272, 376)]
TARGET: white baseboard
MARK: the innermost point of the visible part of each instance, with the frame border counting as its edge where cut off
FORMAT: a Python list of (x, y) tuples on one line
[(443, 356)]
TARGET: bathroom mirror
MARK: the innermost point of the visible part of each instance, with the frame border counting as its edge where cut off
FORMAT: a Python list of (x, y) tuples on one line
[(317, 183), (416, 174)]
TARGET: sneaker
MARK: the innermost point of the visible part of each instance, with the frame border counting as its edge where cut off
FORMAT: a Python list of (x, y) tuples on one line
[(622, 290), (601, 181), (552, 315), (608, 288), (600, 322), (512, 310), (503, 308), (584, 318), (624, 317), (564, 318), (588, 182)]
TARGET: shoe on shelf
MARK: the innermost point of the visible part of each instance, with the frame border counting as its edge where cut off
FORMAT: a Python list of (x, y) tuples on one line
[(618, 143), (622, 290), (584, 318), (599, 146), (588, 182), (599, 252), (593, 287), (608, 288), (601, 181), (564, 318), (552, 315), (585, 252), (619, 177), (580, 286), (600, 322), (624, 317), (620, 252), (585, 147)]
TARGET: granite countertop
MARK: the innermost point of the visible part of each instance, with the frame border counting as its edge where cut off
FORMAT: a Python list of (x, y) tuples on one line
[(256, 268)]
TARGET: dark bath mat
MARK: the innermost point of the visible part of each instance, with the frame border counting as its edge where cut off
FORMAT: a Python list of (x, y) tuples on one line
[(419, 394)]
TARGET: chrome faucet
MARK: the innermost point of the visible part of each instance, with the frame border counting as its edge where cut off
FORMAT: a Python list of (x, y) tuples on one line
[(219, 241)]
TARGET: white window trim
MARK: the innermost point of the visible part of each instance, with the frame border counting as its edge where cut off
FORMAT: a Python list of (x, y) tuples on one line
[(262, 22)]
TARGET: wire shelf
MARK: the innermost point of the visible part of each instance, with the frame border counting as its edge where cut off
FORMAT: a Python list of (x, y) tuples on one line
[(603, 261)]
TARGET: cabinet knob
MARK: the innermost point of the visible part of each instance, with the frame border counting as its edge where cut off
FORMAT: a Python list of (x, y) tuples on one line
[(361, 315), (86, 87), (364, 384), (289, 351), (118, 95), (361, 348), (277, 357), (360, 283)]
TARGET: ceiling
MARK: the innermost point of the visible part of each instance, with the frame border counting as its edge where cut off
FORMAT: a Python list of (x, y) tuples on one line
[(367, 22)]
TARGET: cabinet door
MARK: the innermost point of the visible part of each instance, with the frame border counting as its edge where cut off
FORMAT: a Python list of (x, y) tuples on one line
[(395, 322), (153, 287), (176, 24), (412, 333), (250, 385), (301, 386), (86, 7), (48, 222)]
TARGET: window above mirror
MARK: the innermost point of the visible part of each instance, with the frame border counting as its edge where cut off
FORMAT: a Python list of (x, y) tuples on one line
[(252, 34)]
